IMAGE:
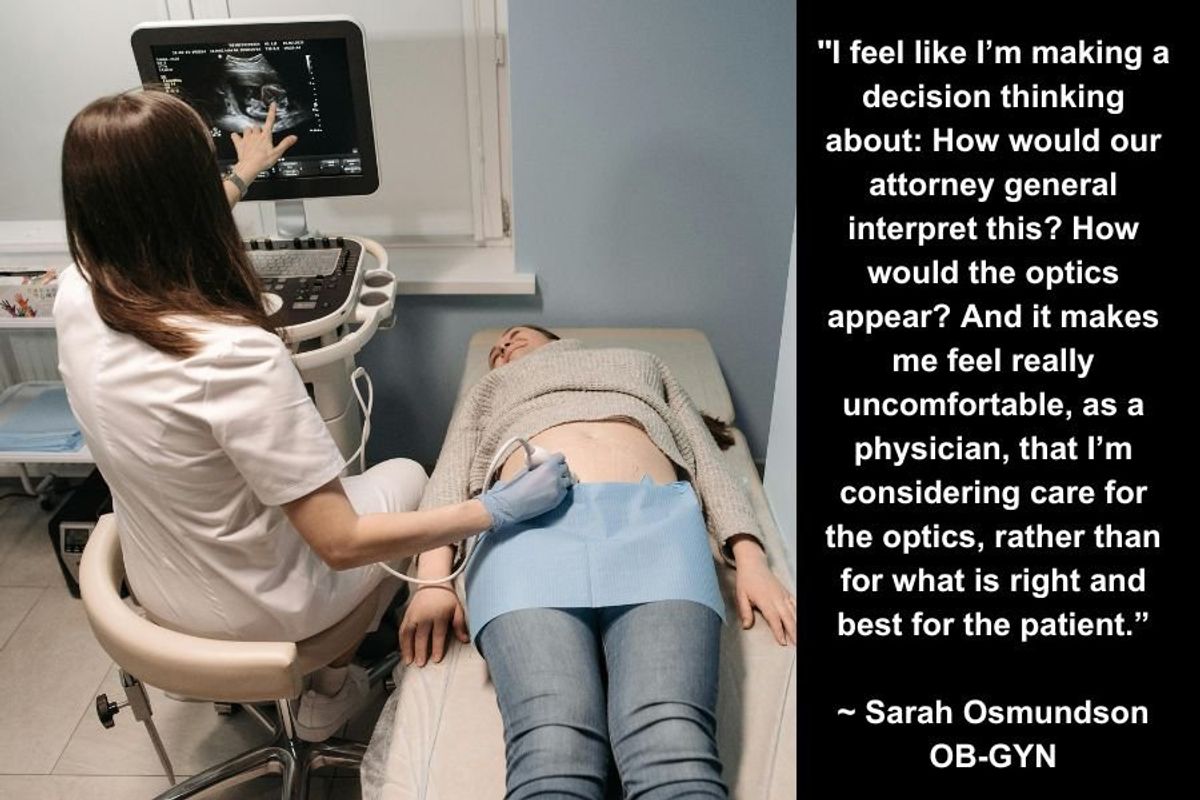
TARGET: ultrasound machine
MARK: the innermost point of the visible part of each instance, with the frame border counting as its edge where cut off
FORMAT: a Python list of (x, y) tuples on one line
[(322, 295)]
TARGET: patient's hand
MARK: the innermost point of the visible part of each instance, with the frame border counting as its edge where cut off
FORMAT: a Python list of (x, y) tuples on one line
[(757, 587), (432, 613)]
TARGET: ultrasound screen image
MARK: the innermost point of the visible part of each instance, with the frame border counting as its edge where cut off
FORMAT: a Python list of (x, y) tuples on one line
[(232, 85), (247, 89)]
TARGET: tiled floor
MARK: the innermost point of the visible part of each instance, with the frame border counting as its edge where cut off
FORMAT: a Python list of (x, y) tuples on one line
[(51, 669)]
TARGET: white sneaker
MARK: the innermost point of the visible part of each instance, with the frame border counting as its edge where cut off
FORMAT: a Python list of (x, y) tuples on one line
[(320, 715)]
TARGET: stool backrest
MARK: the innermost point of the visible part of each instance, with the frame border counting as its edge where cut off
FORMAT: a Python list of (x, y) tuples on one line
[(205, 669)]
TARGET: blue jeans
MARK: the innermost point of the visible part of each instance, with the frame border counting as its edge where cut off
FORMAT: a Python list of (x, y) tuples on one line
[(658, 661)]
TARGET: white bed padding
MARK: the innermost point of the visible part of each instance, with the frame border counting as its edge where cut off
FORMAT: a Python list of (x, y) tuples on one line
[(439, 736)]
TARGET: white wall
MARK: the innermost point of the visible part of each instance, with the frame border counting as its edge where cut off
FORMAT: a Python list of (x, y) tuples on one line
[(56, 56), (779, 479), (418, 100)]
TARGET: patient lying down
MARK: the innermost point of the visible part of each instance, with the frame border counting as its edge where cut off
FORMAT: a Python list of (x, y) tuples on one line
[(600, 620)]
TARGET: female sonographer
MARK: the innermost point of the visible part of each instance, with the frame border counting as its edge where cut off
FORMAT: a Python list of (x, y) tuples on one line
[(233, 520)]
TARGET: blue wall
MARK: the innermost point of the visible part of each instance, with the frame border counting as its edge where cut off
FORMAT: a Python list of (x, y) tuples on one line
[(654, 183)]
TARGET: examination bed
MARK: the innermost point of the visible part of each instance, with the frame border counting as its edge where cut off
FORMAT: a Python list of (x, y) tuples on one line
[(440, 737)]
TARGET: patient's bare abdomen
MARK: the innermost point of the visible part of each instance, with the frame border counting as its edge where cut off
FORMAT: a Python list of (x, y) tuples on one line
[(601, 452)]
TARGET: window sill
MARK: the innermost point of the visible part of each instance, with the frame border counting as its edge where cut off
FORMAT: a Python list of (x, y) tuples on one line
[(463, 269), (421, 267)]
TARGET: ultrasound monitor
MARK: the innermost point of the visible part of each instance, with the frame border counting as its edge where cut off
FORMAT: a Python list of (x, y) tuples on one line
[(313, 69)]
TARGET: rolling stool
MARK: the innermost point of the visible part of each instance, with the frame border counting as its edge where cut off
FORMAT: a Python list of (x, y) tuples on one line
[(224, 672)]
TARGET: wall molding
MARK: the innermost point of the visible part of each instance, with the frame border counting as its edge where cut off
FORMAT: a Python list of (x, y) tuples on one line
[(422, 265)]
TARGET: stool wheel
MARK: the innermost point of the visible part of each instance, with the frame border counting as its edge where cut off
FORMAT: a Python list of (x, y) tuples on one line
[(106, 710)]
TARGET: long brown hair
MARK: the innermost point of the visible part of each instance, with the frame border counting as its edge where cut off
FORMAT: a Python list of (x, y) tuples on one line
[(148, 222)]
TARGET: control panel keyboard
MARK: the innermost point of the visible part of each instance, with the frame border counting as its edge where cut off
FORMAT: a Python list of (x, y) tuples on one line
[(276, 264), (312, 276)]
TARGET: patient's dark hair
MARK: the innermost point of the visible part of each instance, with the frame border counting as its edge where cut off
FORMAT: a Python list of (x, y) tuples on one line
[(549, 334), (720, 430)]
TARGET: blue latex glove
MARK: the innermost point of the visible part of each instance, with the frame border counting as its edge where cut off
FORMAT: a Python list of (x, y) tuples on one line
[(530, 493)]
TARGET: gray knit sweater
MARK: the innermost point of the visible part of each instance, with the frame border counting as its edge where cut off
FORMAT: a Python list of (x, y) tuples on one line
[(564, 382)]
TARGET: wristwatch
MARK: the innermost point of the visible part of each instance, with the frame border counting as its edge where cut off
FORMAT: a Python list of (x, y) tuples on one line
[(237, 181)]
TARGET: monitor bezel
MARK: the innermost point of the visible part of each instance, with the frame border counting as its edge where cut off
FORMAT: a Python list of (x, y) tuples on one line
[(149, 35)]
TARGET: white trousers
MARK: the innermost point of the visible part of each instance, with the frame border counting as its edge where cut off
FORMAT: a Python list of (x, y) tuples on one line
[(390, 486)]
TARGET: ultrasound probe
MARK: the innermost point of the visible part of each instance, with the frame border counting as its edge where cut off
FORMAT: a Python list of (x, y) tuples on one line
[(534, 456)]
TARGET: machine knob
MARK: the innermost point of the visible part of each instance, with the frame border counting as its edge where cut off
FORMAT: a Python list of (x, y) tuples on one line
[(269, 244), (312, 242), (254, 244), (296, 243), (106, 710), (341, 242), (324, 241)]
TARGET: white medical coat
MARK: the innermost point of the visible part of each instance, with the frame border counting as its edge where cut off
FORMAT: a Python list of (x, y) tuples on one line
[(200, 452)]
